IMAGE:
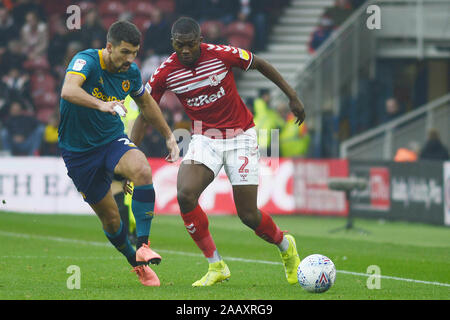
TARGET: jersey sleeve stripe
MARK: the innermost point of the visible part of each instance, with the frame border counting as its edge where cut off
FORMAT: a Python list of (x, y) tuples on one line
[(138, 93), (251, 60), (78, 73)]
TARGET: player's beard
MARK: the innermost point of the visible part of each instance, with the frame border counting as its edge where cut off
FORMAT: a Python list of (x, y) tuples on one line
[(125, 66), (188, 60)]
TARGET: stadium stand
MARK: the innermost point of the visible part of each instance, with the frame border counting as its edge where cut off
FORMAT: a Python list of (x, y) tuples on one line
[(36, 45)]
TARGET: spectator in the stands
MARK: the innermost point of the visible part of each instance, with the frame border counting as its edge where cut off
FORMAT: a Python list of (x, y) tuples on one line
[(434, 149), (22, 7), (321, 34), (22, 132), (49, 146), (257, 12), (188, 8), (214, 34), (222, 10), (408, 153), (338, 13), (93, 33), (72, 49), (4, 101), (13, 56), (18, 83), (93, 30), (157, 36), (8, 29), (34, 36), (58, 42), (393, 109)]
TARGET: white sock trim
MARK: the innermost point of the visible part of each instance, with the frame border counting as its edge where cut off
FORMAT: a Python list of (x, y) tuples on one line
[(284, 244), (215, 258)]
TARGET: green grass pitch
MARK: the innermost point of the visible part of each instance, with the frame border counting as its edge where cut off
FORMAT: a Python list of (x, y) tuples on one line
[(36, 251)]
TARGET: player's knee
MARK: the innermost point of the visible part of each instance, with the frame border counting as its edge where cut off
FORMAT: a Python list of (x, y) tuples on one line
[(186, 199), (142, 175), (111, 223), (249, 218)]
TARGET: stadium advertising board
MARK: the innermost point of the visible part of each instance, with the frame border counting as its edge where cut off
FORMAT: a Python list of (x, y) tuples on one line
[(375, 200), (408, 191), (275, 192), (41, 185), (312, 195), (38, 185)]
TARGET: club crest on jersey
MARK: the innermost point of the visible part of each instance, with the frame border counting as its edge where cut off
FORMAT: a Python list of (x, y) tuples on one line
[(214, 80), (126, 85), (244, 54)]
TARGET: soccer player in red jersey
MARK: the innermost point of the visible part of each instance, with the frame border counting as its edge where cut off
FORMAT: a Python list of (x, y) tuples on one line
[(201, 76)]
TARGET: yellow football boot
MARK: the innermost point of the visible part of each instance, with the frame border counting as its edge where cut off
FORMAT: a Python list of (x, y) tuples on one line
[(291, 260), (217, 272)]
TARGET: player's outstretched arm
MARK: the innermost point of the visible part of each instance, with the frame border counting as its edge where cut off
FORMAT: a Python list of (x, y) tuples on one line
[(74, 93), (273, 75), (151, 114)]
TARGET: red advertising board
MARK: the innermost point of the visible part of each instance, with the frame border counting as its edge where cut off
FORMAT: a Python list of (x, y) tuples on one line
[(277, 192), (379, 188), (312, 195)]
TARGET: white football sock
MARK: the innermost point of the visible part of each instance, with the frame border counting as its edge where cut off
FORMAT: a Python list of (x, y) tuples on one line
[(215, 258), (284, 244)]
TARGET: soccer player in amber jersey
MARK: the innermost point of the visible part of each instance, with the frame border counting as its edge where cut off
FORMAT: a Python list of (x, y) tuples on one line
[(94, 146), (201, 76)]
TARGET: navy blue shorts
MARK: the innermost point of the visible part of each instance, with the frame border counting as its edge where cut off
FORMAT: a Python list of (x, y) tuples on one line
[(92, 171)]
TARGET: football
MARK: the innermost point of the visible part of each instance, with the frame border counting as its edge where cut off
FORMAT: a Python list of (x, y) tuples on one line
[(316, 273)]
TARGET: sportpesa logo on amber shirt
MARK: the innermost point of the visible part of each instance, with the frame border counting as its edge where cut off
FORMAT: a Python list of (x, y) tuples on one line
[(96, 92)]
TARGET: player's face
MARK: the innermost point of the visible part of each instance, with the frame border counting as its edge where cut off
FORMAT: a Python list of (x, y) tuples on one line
[(122, 55), (187, 47)]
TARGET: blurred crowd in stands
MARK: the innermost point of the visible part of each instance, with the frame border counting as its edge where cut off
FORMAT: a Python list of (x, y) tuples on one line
[(330, 20), (36, 45), (398, 86)]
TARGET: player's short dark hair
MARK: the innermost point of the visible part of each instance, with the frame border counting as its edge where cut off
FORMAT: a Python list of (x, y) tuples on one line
[(186, 25), (123, 30)]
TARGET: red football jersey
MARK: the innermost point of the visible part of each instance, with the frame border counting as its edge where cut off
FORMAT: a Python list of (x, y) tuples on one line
[(207, 90)]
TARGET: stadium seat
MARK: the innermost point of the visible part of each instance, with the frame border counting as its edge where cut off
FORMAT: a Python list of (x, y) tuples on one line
[(55, 7), (240, 34), (110, 8), (86, 6), (37, 64), (240, 42), (142, 22), (42, 81), (140, 8), (166, 6), (208, 25), (108, 20), (44, 114), (46, 100)]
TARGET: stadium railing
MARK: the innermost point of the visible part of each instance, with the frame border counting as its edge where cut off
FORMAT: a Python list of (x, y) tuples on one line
[(349, 54), (382, 141)]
